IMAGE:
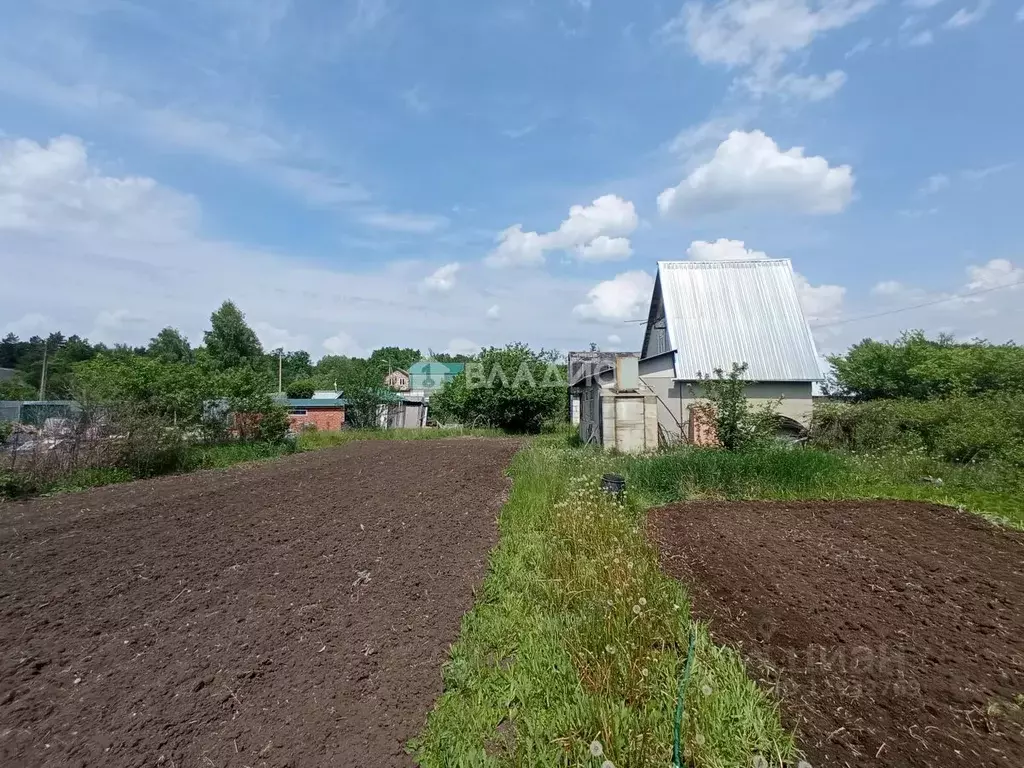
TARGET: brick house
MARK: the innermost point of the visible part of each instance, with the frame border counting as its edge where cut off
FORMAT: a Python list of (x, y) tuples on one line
[(327, 415)]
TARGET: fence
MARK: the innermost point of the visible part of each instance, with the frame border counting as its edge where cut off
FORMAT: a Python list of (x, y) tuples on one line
[(36, 412)]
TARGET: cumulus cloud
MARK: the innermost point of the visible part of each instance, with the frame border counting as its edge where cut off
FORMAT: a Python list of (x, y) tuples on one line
[(760, 35), (749, 170), (442, 279), (624, 297), (606, 248), (595, 232), (342, 343), (493, 312), (820, 303), (614, 339), (997, 273), (461, 346)]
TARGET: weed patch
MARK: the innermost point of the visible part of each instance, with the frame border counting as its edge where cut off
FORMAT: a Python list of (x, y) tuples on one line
[(579, 638)]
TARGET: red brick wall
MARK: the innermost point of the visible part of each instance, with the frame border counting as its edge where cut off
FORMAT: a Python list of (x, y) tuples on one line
[(324, 419), (702, 426)]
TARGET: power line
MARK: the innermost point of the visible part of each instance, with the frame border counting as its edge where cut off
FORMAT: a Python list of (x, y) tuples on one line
[(918, 306)]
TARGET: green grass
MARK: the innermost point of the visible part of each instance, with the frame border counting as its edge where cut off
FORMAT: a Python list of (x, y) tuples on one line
[(577, 637), (312, 440), (228, 454), (992, 489)]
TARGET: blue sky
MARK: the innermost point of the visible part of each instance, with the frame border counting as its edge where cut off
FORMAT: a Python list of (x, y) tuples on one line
[(452, 175)]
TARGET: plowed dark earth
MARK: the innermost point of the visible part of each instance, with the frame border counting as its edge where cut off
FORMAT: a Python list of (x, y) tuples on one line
[(294, 613), (894, 631)]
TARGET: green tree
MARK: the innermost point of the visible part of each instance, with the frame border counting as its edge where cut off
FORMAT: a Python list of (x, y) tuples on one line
[(390, 358), (230, 342), (301, 389), (171, 346), (512, 388), (920, 368)]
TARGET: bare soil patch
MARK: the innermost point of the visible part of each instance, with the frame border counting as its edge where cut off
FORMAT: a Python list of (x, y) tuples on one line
[(894, 631), (294, 613)]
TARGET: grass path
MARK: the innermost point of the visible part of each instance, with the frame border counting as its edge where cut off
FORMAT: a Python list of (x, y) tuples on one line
[(578, 641)]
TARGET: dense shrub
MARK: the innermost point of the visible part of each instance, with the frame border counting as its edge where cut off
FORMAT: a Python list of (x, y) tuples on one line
[(300, 389), (959, 429), (512, 388), (917, 367)]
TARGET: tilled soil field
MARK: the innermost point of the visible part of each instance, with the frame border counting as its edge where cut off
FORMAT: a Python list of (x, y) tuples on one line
[(294, 613), (894, 631)]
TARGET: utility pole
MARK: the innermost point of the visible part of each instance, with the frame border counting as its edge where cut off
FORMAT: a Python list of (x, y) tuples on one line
[(280, 353), (42, 378)]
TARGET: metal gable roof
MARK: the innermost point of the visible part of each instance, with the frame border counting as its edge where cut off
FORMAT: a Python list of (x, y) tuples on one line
[(721, 312)]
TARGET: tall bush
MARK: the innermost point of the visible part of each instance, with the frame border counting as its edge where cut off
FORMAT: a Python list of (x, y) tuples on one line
[(738, 425), (513, 388)]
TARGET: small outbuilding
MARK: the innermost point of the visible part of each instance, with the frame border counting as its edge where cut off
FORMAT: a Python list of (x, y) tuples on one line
[(613, 410), (708, 315)]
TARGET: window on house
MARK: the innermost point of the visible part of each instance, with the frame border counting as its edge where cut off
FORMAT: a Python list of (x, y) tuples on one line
[(297, 411)]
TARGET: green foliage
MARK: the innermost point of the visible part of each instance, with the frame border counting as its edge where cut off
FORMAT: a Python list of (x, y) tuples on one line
[(301, 389), (958, 429), (920, 368), (173, 392), (16, 389), (312, 440), (255, 413), (737, 424), (230, 342), (389, 358), (228, 454), (170, 346), (511, 388), (580, 637), (5, 431)]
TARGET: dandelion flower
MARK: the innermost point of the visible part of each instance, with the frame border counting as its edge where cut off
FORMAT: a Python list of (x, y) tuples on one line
[(636, 609), (642, 601), (706, 689), (610, 648), (760, 762), (596, 749), (643, 673), (607, 764)]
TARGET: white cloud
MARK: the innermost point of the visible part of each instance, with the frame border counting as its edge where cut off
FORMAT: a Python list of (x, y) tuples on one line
[(977, 174), (921, 39), (343, 344), (811, 87), (759, 35), (272, 337), (1020, 14), (126, 256), (460, 346), (921, 4), (517, 248), (442, 279), (749, 170), (996, 273), (44, 184), (964, 17), (624, 297), (604, 248), (30, 324), (935, 183), (614, 339), (888, 288), (859, 47), (494, 312), (722, 250), (595, 232), (820, 303), (404, 222)]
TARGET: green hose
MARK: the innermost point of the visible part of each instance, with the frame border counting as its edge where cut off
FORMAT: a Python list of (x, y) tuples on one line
[(677, 751)]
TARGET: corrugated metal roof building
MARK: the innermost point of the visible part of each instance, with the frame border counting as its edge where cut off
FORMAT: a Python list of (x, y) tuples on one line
[(716, 313), (708, 315)]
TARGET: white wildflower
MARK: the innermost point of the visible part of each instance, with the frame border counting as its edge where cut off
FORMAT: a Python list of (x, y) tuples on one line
[(636, 609), (642, 601), (760, 762), (607, 764), (706, 689), (596, 749)]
